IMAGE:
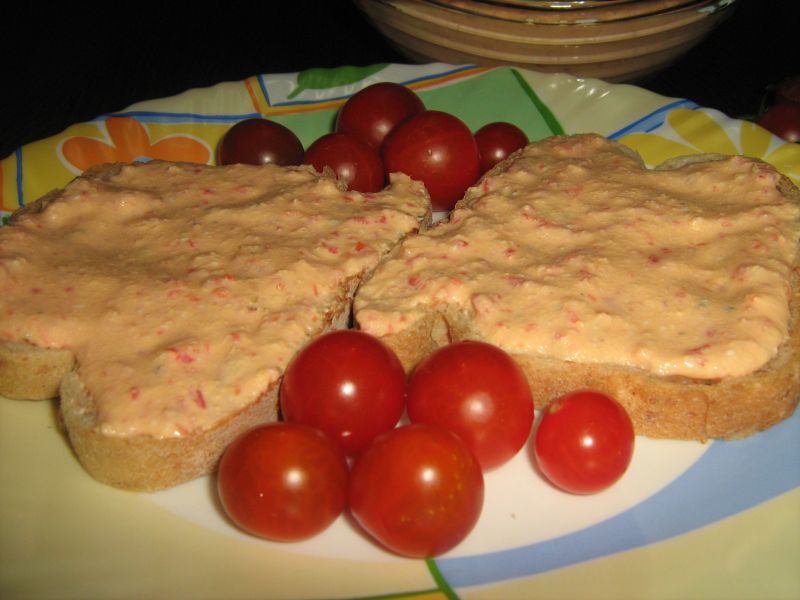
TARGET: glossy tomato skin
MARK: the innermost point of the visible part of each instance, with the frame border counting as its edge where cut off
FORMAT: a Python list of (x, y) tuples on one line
[(346, 383), (584, 442), (260, 142), (417, 490), (496, 141), (437, 149), (783, 120), (355, 163), (477, 391), (373, 112), (283, 482)]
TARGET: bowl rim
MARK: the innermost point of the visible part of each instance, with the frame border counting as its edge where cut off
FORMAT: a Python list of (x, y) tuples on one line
[(573, 12)]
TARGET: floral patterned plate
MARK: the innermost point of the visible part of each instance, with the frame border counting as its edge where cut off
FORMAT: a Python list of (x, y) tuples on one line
[(720, 519)]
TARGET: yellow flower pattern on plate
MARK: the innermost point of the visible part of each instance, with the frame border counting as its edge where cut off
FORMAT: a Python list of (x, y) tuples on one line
[(687, 131)]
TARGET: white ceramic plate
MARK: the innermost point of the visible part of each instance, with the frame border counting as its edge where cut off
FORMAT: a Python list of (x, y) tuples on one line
[(688, 520)]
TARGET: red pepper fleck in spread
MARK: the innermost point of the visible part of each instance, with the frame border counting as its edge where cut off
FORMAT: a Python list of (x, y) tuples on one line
[(183, 311), (561, 262)]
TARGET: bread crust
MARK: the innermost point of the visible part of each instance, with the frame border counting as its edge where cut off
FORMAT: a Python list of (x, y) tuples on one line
[(660, 407), (28, 372), (140, 462)]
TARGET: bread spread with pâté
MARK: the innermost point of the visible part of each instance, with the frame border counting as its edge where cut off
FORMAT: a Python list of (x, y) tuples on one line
[(572, 251), (184, 290)]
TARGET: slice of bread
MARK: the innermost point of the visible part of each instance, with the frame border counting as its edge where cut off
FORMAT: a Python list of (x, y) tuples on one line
[(676, 290), (162, 302)]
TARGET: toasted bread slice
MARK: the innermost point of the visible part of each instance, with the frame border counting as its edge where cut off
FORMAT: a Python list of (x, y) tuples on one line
[(675, 290), (164, 300)]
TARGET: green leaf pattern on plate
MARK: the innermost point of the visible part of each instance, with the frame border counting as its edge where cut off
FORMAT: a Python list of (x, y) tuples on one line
[(320, 79)]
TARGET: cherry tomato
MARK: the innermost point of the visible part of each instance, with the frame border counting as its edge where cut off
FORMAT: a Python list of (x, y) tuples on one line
[(374, 111), (496, 141), (783, 120), (355, 163), (284, 482), (788, 91), (346, 383), (584, 442), (417, 489), (259, 142), (477, 391), (437, 149)]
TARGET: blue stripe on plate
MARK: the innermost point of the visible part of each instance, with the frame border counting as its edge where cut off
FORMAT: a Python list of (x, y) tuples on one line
[(729, 478), (428, 77), (169, 117), (652, 121)]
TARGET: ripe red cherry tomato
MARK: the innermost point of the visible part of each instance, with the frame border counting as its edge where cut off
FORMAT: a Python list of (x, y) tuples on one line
[(437, 149), (496, 141), (347, 384), (417, 489), (584, 442), (259, 142), (373, 112), (788, 91), (783, 120), (284, 482), (355, 163), (477, 391)]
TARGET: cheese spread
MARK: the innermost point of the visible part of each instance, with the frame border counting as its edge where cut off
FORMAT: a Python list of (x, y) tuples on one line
[(575, 251), (184, 290)]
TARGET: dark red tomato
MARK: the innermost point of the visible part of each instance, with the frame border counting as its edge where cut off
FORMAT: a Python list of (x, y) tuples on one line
[(259, 142), (347, 384), (372, 113), (355, 163), (788, 90), (584, 442), (496, 141), (437, 149), (417, 489), (284, 482), (477, 391), (783, 120)]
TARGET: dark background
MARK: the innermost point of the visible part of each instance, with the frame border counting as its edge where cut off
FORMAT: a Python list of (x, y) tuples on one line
[(66, 68)]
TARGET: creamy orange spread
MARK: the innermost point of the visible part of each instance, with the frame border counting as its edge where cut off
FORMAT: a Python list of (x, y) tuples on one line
[(185, 290), (576, 252)]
